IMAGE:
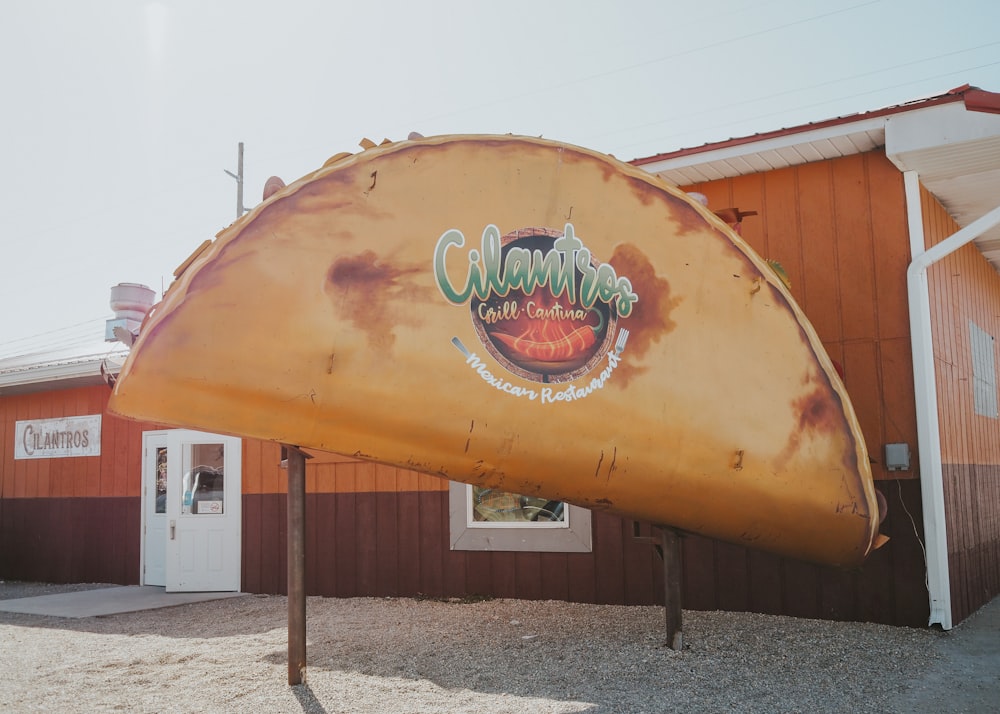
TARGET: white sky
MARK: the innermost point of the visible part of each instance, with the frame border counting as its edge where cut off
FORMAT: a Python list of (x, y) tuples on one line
[(119, 117)]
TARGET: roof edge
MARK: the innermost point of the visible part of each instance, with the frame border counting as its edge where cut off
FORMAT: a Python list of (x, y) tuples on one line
[(979, 100), (42, 377), (978, 97)]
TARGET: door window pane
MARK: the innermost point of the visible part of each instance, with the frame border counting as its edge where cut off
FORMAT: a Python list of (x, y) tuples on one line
[(161, 479), (203, 480)]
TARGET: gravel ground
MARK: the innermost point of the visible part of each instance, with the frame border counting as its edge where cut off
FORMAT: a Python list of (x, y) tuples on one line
[(402, 655)]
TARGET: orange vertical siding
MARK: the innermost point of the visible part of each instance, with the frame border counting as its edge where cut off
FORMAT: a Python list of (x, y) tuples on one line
[(781, 226), (6, 450), (855, 241), (116, 472), (964, 287), (820, 294), (839, 229)]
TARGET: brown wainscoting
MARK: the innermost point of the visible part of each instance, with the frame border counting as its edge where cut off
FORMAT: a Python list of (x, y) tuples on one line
[(396, 545), (387, 544), (888, 588), (70, 540), (972, 512)]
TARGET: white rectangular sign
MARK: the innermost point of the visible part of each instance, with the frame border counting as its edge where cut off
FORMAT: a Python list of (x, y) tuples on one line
[(58, 438)]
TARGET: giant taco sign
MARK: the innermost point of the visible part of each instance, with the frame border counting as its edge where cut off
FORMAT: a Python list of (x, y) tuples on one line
[(526, 315)]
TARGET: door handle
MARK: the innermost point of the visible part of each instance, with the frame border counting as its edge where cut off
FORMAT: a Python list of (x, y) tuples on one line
[(173, 529)]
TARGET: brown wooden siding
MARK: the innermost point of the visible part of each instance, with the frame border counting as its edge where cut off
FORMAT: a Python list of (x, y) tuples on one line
[(391, 544), (396, 544), (70, 519), (70, 540), (972, 511), (378, 531), (963, 287)]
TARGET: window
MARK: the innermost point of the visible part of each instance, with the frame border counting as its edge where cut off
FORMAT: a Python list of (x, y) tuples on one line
[(203, 481), (984, 371), (161, 479), (488, 519), (490, 508)]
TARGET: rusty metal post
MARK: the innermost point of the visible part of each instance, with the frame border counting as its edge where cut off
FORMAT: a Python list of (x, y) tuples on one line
[(296, 565), (672, 587)]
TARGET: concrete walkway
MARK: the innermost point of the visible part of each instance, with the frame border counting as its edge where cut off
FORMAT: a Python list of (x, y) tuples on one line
[(106, 601), (966, 677)]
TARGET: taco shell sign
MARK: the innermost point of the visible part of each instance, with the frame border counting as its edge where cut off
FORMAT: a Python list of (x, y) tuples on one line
[(525, 315)]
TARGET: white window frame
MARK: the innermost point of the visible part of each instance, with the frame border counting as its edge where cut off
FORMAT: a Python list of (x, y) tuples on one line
[(574, 535), (984, 371)]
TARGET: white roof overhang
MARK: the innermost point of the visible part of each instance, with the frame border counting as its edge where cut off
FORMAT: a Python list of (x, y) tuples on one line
[(956, 155), (954, 150), (37, 373)]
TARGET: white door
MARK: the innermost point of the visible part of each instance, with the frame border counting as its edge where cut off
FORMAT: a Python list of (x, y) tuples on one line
[(203, 512), (154, 508)]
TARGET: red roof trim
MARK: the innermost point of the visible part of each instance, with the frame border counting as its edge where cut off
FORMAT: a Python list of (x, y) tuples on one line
[(975, 100)]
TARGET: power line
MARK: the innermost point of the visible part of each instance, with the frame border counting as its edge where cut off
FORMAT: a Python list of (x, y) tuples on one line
[(731, 121), (730, 105), (88, 331), (646, 63)]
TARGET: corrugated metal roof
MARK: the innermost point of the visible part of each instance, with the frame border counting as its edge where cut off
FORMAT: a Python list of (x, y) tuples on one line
[(71, 356), (846, 140)]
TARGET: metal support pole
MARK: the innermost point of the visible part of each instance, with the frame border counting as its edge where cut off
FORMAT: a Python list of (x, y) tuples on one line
[(672, 587), (296, 565)]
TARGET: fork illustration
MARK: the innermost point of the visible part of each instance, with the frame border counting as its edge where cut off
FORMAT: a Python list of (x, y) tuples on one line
[(620, 342)]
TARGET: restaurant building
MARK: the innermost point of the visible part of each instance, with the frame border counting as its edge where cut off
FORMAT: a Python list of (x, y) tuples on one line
[(886, 226)]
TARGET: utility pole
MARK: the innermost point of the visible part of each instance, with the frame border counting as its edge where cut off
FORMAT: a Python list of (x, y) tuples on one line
[(240, 210)]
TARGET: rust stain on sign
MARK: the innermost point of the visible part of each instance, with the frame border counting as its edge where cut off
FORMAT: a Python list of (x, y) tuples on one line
[(650, 319), (372, 293)]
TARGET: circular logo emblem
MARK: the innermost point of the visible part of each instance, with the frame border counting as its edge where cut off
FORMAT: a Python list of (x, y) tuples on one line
[(546, 334)]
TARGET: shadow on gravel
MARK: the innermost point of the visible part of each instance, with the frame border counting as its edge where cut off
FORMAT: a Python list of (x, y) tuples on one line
[(307, 700), (600, 658), (621, 664)]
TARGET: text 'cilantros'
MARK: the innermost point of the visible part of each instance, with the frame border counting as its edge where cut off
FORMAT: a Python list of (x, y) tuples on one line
[(525, 270)]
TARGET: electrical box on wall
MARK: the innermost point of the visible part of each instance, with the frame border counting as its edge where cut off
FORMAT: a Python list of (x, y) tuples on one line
[(897, 457)]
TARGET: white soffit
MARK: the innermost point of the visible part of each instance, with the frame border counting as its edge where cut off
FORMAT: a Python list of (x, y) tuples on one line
[(956, 154), (777, 152)]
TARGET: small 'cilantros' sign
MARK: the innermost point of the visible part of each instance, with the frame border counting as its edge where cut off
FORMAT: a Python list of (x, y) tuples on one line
[(58, 438)]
